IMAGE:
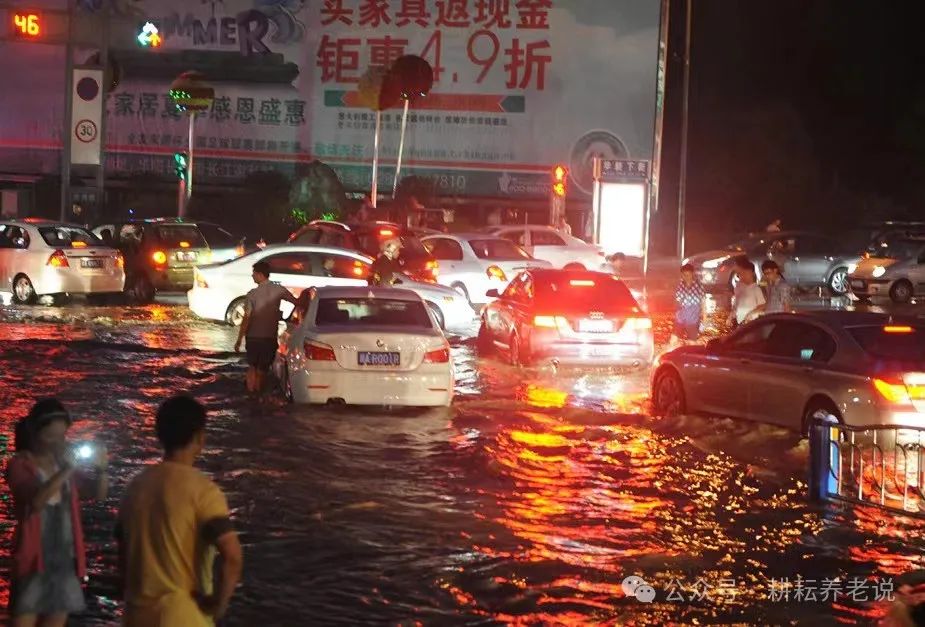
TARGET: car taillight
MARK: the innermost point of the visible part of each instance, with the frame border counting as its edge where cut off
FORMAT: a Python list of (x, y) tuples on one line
[(359, 268), (548, 322), (494, 272), (439, 356), (433, 268), (159, 257), (902, 390), (386, 232), (58, 260), (239, 250), (120, 261), (184, 244), (316, 351)]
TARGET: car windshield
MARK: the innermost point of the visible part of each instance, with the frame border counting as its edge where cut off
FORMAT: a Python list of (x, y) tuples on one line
[(372, 311), (583, 294), (905, 343), (174, 236), (68, 237), (900, 249), (498, 249)]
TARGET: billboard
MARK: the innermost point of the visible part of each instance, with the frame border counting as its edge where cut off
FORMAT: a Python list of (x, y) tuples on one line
[(519, 85)]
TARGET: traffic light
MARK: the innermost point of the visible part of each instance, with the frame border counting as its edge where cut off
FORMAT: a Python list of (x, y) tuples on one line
[(560, 181), (181, 163), (149, 36)]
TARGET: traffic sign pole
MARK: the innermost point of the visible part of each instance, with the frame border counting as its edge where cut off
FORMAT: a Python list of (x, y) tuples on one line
[(68, 113)]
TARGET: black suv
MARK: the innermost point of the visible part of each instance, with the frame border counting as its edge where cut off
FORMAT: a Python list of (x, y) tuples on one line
[(160, 254), (368, 238)]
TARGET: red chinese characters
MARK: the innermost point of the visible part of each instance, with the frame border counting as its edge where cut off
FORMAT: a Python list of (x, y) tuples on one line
[(384, 50), (534, 14), (413, 11), (493, 13), (339, 59), (335, 11), (374, 13), (453, 13), (523, 60)]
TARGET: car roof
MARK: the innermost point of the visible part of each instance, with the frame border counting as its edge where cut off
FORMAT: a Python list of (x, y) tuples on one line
[(391, 293), (465, 236)]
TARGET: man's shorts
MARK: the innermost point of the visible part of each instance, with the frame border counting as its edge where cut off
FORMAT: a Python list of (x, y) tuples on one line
[(687, 332), (261, 351)]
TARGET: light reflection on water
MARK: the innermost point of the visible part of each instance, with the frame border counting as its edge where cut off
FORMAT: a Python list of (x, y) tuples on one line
[(527, 503)]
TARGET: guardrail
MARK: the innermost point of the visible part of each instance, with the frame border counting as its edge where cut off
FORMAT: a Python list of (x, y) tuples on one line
[(883, 466)]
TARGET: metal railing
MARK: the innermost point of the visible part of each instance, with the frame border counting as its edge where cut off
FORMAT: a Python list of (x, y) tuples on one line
[(883, 466)]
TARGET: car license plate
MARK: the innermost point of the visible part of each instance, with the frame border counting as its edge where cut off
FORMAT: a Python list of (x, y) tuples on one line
[(367, 358), (595, 326), (857, 284), (186, 256), (91, 263)]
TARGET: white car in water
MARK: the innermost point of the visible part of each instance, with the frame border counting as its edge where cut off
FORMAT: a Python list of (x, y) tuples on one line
[(549, 244), (219, 290), (474, 263), (47, 258), (365, 346)]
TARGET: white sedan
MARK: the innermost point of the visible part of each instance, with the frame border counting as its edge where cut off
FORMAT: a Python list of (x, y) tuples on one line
[(473, 263), (365, 346), (219, 290), (43, 257), (549, 244)]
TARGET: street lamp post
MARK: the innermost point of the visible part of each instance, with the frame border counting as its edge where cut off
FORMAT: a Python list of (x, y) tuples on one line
[(682, 184)]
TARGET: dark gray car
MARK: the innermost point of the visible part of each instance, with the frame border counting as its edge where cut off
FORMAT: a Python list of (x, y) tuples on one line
[(807, 260)]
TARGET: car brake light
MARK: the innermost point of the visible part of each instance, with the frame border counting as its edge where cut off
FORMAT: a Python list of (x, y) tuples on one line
[(895, 328), (547, 322), (638, 324), (386, 232), (120, 261), (184, 244), (581, 283), (439, 356), (893, 392), (78, 244), (433, 267), (58, 260), (494, 272), (316, 351), (358, 268), (159, 257)]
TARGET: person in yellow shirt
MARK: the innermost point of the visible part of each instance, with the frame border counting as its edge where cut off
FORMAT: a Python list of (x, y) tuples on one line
[(172, 521)]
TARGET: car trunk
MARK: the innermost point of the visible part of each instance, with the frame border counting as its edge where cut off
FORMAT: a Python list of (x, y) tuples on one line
[(91, 260), (378, 350)]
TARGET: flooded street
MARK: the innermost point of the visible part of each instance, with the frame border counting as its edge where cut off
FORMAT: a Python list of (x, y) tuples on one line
[(528, 502)]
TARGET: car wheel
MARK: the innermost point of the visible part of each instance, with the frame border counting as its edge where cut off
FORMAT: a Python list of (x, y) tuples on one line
[(819, 408), (441, 321), (668, 395), (574, 266), (901, 292), (235, 314), (483, 342), (461, 289), (838, 282), (23, 291)]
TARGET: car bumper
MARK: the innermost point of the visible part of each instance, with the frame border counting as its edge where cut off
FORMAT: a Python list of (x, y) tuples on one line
[(432, 388), (595, 354), (204, 304), (69, 281), (172, 279), (870, 287)]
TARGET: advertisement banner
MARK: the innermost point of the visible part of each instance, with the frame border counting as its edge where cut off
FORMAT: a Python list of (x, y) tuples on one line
[(520, 85)]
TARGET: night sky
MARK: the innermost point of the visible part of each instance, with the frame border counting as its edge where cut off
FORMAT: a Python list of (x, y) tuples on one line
[(808, 110)]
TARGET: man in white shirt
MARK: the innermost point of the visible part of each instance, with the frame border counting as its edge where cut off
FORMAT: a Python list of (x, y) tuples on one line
[(748, 297)]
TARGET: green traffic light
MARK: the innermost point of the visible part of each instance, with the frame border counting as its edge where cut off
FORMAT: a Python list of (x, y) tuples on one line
[(181, 163)]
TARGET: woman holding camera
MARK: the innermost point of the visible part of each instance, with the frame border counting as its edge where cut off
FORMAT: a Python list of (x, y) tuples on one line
[(48, 549)]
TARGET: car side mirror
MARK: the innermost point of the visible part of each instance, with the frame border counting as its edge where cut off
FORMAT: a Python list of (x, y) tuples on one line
[(493, 293)]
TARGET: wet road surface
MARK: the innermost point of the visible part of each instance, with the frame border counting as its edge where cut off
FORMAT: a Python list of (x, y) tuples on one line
[(527, 502)]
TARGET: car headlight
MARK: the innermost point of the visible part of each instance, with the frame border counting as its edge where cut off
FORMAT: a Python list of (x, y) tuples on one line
[(712, 264), (852, 267), (878, 272)]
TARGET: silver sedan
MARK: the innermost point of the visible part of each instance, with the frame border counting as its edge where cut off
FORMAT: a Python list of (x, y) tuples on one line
[(862, 369)]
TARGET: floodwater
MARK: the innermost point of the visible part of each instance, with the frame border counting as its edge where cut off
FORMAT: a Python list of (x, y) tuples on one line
[(528, 502)]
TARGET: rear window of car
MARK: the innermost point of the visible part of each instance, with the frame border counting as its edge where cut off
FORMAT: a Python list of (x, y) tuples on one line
[(894, 342), (584, 293), (372, 311), (498, 249), (173, 236), (68, 237)]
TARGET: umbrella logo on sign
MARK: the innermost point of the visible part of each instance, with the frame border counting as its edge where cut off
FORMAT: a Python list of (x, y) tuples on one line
[(85, 131)]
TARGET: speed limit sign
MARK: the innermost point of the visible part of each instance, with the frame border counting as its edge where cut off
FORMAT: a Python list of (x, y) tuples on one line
[(85, 131)]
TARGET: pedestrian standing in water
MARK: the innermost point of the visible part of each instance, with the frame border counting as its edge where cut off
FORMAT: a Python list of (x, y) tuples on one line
[(172, 522), (780, 296), (260, 327), (690, 299), (49, 559), (748, 297)]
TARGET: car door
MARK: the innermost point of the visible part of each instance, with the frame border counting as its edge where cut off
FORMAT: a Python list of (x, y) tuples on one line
[(813, 258), (781, 383), (449, 253), (499, 315), (19, 257), (719, 383), (340, 270), (6, 256), (550, 246), (292, 270)]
